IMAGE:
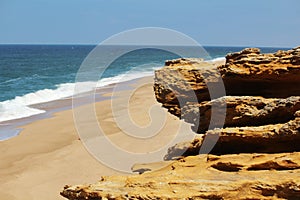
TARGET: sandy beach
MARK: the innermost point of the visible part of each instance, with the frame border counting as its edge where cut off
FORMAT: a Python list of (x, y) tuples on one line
[(48, 153)]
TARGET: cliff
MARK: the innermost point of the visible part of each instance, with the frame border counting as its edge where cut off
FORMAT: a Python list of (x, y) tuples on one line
[(257, 152)]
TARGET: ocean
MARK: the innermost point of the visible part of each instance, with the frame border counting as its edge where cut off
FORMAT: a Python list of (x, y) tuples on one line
[(35, 74)]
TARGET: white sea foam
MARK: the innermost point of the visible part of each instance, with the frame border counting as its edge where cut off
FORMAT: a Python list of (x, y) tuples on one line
[(218, 59), (19, 107), (9, 111)]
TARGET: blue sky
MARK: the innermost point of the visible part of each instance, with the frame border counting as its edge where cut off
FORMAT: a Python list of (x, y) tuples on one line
[(211, 22)]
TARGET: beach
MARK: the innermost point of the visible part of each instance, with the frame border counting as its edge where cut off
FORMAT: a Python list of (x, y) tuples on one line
[(110, 100), (131, 124), (48, 153)]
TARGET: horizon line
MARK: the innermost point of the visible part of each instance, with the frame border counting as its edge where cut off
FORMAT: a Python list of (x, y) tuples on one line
[(91, 44)]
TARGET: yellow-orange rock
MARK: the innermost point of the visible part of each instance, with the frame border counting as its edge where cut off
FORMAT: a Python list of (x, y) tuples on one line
[(239, 176), (257, 154)]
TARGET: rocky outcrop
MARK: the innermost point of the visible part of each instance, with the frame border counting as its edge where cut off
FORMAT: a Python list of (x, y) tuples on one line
[(241, 111), (260, 176), (256, 152), (271, 138), (184, 80), (245, 73), (270, 75)]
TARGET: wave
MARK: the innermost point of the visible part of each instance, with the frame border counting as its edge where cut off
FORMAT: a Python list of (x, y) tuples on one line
[(11, 80), (19, 107), (217, 59), (24, 79), (10, 111)]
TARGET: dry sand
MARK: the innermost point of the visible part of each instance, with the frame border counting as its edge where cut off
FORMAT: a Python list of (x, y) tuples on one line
[(48, 153)]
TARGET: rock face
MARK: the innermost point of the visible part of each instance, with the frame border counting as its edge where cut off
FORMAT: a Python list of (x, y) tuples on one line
[(257, 152), (271, 138), (242, 111), (270, 75), (246, 73), (184, 80)]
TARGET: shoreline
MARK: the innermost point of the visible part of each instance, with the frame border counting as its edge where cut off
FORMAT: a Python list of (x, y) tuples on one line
[(48, 154), (13, 128)]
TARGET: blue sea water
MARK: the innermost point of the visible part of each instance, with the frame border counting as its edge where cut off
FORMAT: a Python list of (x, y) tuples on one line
[(31, 74)]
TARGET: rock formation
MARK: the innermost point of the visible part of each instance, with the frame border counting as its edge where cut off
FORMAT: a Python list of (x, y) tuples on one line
[(243, 176), (184, 80), (269, 75), (242, 111), (271, 138), (246, 73), (257, 154)]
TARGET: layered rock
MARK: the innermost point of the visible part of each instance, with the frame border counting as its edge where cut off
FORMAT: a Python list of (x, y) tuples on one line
[(241, 111), (271, 138), (184, 80), (245, 73), (270, 75), (256, 153)]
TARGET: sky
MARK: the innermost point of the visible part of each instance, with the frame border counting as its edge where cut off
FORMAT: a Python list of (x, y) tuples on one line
[(263, 23)]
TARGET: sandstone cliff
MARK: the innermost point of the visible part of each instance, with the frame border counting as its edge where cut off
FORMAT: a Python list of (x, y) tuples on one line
[(257, 154)]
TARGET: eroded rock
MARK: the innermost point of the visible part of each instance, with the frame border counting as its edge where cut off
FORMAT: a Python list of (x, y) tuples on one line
[(256, 154), (241, 111), (196, 177), (265, 139), (184, 80), (245, 73)]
